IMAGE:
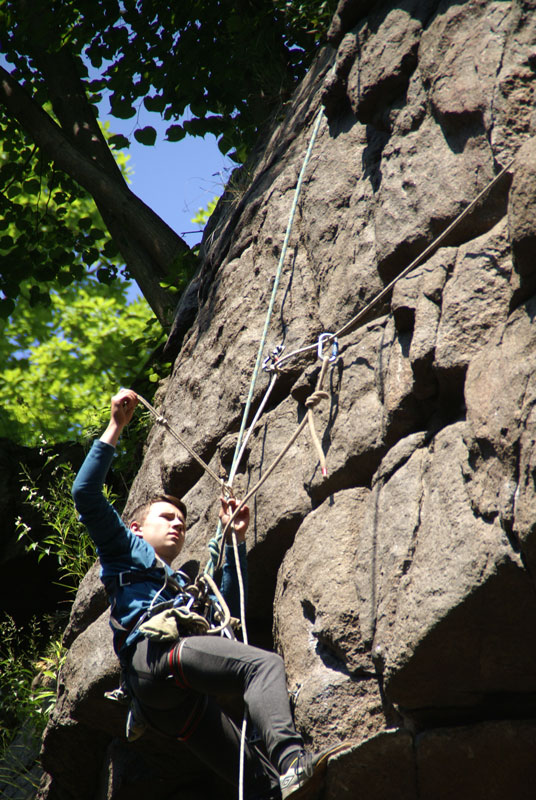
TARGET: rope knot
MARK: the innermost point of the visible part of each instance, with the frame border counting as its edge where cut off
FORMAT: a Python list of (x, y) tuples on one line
[(315, 398)]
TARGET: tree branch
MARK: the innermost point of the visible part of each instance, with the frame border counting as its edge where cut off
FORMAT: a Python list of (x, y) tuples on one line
[(148, 245)]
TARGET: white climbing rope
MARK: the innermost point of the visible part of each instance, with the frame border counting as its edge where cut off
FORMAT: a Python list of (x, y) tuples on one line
[(275, 286), (240, 447), (239, 450)]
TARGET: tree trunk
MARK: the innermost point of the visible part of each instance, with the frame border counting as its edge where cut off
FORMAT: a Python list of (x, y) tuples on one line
[(148, 245)]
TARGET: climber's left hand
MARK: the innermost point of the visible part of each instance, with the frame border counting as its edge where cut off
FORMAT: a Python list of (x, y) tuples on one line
[(240, 522)]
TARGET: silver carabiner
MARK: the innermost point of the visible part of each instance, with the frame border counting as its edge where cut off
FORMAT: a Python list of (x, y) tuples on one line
[(334, 346)]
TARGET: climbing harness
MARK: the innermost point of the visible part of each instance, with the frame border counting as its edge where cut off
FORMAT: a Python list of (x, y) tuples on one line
[(190, 613), (197, 609)]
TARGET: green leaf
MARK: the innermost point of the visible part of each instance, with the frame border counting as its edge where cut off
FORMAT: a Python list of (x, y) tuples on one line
[(122, 109), (110, 249), (104, 275), (7, 307), (37, 296), (96, 85), (84, 223), (31, 186), (175, 133), (13, 191), (119, 141), (154, 103), (90, 256), (95, 234), (146, 136), (64, 278)]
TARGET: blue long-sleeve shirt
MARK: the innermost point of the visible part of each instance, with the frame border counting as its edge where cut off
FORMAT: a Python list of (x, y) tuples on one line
[(130, 569)]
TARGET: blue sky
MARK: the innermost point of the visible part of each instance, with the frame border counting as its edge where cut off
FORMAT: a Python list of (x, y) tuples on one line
[(175, 179)]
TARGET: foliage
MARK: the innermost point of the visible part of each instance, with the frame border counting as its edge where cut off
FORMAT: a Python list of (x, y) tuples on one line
[(71, 335), (61, 363), (309, 19), (247, 56), (203, 214), (29, 668), (68, 57), (50, 231), (66, 540), (30, 659), (71, 339)]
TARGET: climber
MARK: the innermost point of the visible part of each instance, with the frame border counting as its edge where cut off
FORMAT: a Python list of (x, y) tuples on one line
[(173, 685)]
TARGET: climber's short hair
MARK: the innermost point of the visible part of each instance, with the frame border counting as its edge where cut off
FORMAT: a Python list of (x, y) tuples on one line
[(141, 511)]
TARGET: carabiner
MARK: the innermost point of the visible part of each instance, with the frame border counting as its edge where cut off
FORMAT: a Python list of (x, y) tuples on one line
[(334, 346), (270, 361)]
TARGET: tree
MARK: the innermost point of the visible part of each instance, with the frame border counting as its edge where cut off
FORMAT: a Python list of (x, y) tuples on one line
[(230, 65), (71, 332), (63, 367), (50, 232)]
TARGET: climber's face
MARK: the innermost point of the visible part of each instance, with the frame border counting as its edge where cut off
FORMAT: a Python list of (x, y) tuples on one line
[(163, 528)]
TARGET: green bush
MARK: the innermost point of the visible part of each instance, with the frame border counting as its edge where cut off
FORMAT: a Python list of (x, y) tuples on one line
[(30, 660)]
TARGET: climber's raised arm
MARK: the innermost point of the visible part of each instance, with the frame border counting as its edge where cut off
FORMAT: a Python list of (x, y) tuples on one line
[(121, 411), (102, 521)]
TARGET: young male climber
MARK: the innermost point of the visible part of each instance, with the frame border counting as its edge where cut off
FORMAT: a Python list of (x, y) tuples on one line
[(175, 683)]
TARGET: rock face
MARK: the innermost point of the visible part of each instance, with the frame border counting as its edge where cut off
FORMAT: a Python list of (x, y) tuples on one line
[(401, 588)]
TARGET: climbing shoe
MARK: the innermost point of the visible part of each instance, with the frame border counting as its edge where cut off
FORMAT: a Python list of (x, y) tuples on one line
[(297, 775), (305, 776)]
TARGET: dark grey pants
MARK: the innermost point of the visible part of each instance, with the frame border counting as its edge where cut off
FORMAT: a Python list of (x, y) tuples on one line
[(179, 689)]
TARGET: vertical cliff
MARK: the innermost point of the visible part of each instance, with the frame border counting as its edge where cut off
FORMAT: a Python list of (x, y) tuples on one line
[(399, 589)]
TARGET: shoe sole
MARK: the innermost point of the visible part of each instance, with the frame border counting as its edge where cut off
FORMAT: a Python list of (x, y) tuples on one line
[(310, 789)]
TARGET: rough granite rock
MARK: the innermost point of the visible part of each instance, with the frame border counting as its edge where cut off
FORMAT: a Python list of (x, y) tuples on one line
[(401, 588)]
